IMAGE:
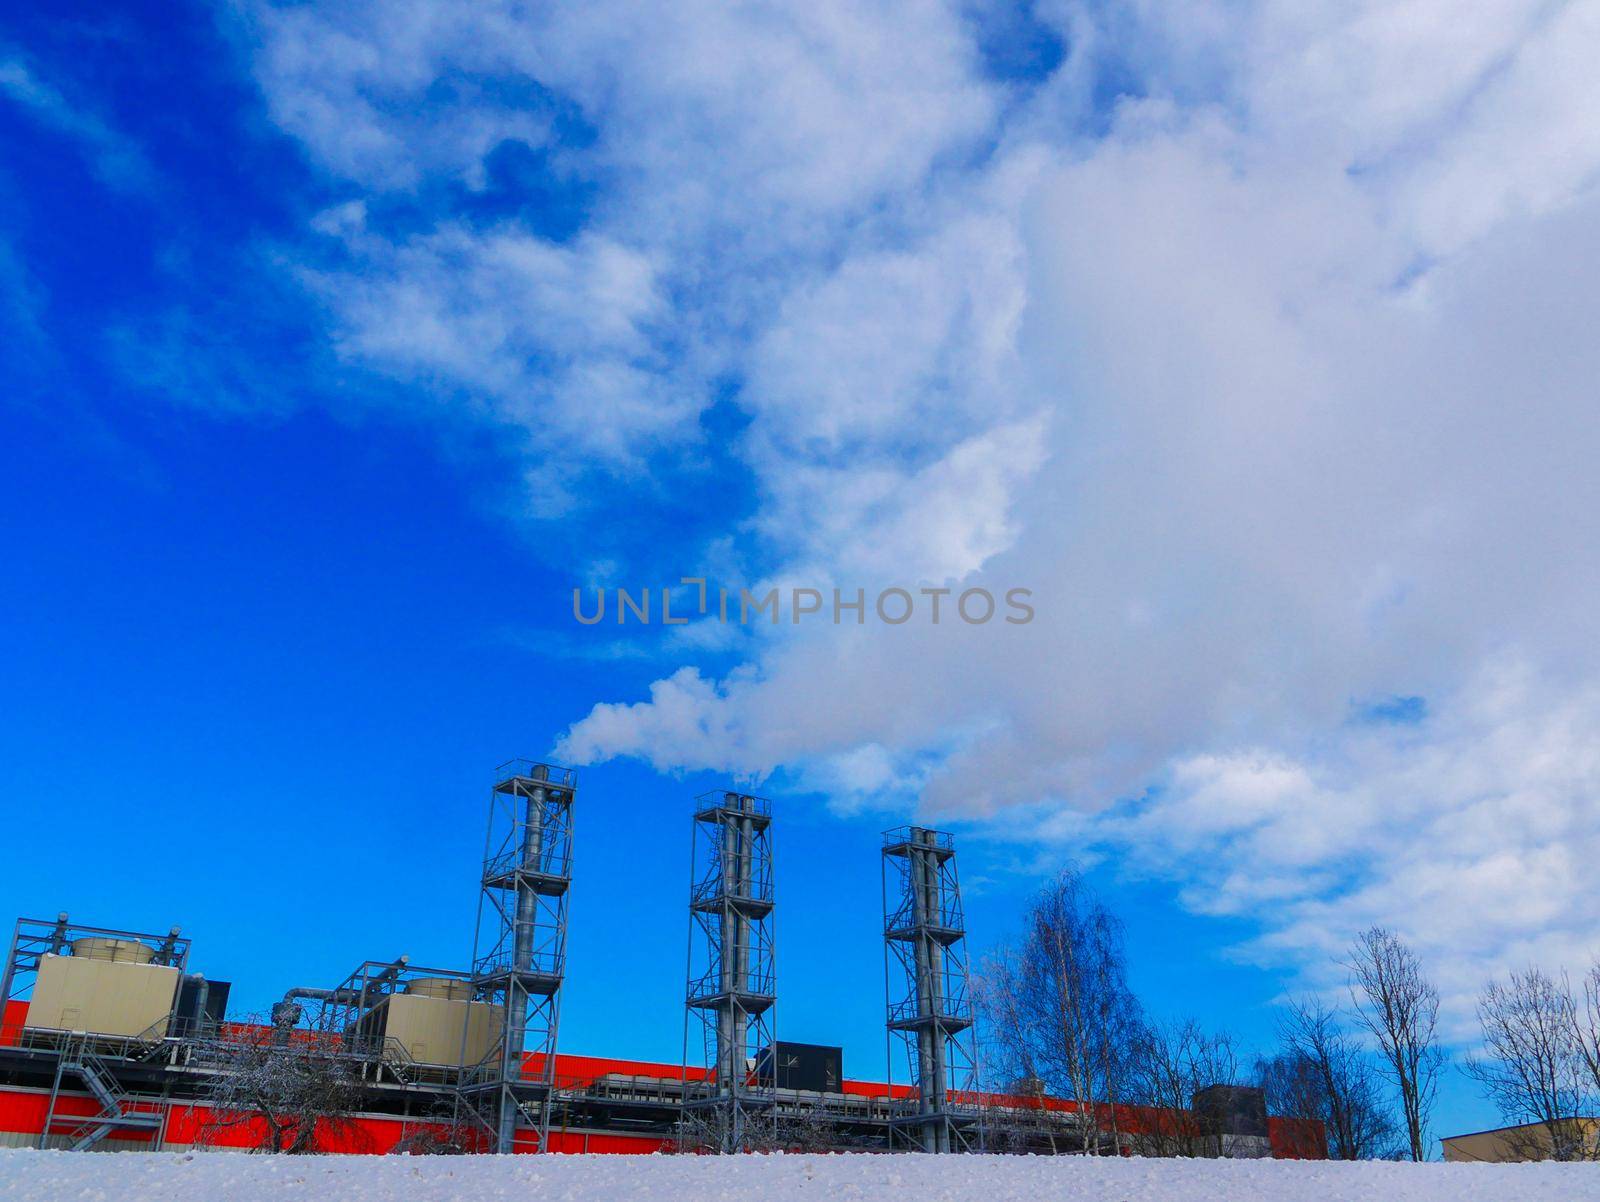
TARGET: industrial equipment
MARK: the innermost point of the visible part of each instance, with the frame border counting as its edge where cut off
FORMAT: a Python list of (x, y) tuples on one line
[(816, 1068), (929, 1007), (110, 1039), (90, 998), (520, 951), (93, 980), (728, 1020), (434, 1020)]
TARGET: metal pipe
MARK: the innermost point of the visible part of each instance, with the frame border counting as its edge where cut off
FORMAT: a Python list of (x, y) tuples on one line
[(168, 952), (745, 888), (321, 995), (930, 1041), (287, 1013), (202, 995), (730, 979)]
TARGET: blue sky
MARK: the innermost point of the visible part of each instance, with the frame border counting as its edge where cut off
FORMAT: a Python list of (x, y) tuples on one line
[(271, 672), (342, 341)]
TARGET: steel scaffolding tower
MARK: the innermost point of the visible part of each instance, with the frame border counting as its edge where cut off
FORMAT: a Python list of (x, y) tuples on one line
[(731, 982), (519, 952), (929, 1007)]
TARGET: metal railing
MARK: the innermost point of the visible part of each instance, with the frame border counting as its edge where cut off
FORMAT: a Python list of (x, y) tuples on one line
[(552, 860), (544, 962), (710, 888), (560, 778), (954, 1009), (941, 841), (52, 1039), (709, 985), (716, 799), (908, 918)]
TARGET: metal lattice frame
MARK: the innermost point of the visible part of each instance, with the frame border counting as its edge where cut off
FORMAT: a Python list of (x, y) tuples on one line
[(519, 953), (731, 995), (929, 1002), (347, 1012), (342, 1009), (35, 938)]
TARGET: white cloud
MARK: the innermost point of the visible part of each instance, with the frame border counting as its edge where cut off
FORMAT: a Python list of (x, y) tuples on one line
[(733, 153), (115, 158), (1472, 835), (682, 712), (538, 336), (1273, 379)]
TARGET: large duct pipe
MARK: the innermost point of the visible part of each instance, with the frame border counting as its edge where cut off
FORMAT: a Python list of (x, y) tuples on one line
[(202, 994), (930, 987), (738, 884), (286, 1014)]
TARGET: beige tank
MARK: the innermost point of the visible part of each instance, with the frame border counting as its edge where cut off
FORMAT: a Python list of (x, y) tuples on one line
[(448, 988), (117, 951), (435, 1021), (104, 989)]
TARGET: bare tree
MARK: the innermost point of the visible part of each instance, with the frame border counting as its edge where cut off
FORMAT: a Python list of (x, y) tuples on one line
[(289, 1092), (1400, 1008), (440, 1132), (1057, 1009), (1018, 1119), (814, 1129), (1321, 1073), (1174, 1063), (1294, 1090), (1535, 1062), (1588, 1034)]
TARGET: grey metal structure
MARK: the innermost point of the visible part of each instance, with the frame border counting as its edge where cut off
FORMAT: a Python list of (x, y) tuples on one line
[(929, 1002), (34, 938), (86, 1056), (731, 991), (519, 952), (346, 1011)]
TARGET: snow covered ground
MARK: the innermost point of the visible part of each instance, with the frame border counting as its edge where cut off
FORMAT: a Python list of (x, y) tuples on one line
[(223, 1177)]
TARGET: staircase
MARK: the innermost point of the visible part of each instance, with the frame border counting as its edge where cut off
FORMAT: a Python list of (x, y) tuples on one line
[(119, 1110)]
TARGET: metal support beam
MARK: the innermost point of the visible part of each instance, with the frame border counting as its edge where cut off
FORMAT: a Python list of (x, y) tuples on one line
[(927, 979), (519, 955), (730, 999)]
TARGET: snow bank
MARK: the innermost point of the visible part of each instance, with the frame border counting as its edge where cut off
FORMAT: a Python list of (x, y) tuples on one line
[(233, 1177)]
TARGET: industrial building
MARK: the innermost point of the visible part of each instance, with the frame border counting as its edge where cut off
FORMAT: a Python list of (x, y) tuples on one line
[(114, 1039), (1526, 1141)]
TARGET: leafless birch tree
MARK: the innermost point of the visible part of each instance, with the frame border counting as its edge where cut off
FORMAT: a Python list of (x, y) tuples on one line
[(1057, 1009), (1400, 1008)]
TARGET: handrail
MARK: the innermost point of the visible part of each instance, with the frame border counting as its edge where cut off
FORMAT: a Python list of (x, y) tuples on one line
[(941, 841), (755, 984), (950, 1007), (550, 861)]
